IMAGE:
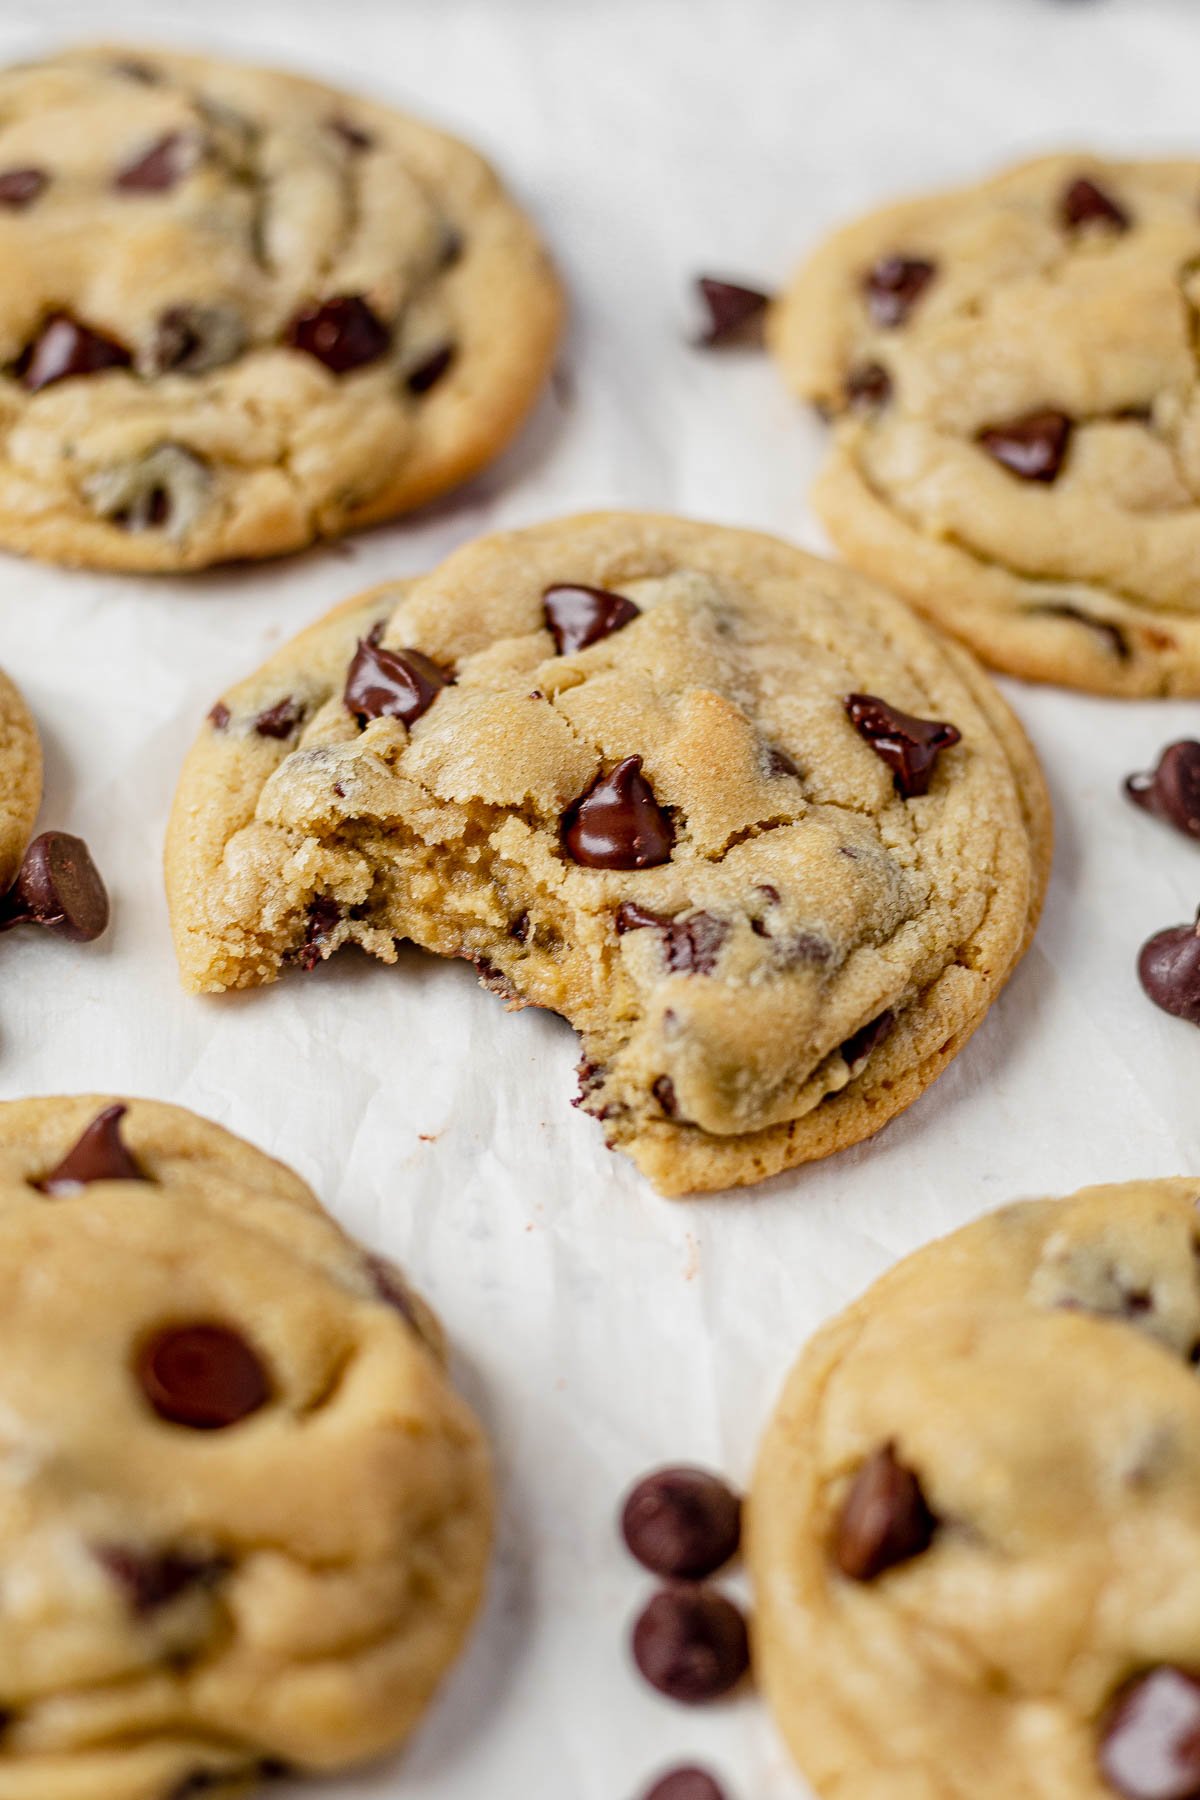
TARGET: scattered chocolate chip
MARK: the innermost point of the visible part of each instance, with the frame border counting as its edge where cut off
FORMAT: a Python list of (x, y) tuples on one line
[(97, 1155), (164, 165), (191, 340), (280, 720), (219, 716), (430, 371), (343, 333), (909, 746), (691, 945), (682, 1522), (1172, 790), (57, 886), (1150, 1737), (859, 1046), (579, 616), (691, 1644), (353, 136), (1084, 203), (868, 387), (19, 188), (153, 1578), (1117, 641), (203, 1376), (735, 314), (64, 347), (780, 763), (894, 286), (391, 684), (618, 823), (1169, 971), (323, 914), (884, 1520), (1033, 448), (685, 1784), (663, 1090)]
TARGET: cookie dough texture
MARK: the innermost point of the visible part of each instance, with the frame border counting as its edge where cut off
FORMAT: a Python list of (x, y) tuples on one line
[(1036, 1372), (338, 1536), (20, 779), (802, 898), (189, 211), (1041, 300)]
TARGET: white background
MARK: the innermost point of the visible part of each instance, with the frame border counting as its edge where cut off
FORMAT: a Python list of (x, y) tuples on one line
[(602, 1329)]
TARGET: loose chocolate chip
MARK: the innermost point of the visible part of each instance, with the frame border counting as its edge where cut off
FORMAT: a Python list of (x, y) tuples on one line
[(164, 165), (682, 1522), (323, 914), (1117, 641), (1033, 448), (97, 1155), (1169, 971), (663, 1090), (909, 746), (1172, 790), (343, 333), (868, 387), (685, 1784), (617, 823), (219, 716), (1084, 203), (153, 1578), (191, 340), (391, 684), (58, 886), (19, 188), (280, 720), (1150, 1737), (859, 1046), (430, 371), (894, 286), (691, 1644), (579, 616), (353, 136), (735, 314), (885, 1519), (203, 1376), (691, 946), (64, 347)]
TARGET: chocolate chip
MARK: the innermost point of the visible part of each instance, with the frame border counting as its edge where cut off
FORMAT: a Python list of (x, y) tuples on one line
[(894, 286), (618, 823), (909, 746), (682, 1522), (1033, 448), (164, 165), (1084, 203), (1169, 971), (691, 1644), (579, 616), (1150, 1737), (860, 1044), (521, 928), (323, 914), (19, 188), (203, 1376), (885, 1519), (97, 1155), (685, 1784), (64, 347), (153, 1578), (343, 333), (780, 763), (430, 371), (169, 485), (391, 684), (280, 720), (1117, 641), (735, 314), (219, 716), (1172, 790), (191, 340), (868, 387), (691, 945), (663, 1090), (57, 886), (353, 136)]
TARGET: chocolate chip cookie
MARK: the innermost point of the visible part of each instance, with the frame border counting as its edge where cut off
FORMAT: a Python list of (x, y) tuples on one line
[(20, 779), (1011, 374), (240, 311), (975, 1527), (770, 844), (244, 1519)]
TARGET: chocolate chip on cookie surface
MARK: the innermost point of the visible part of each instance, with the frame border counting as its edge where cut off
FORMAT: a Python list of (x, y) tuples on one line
[(773, 915)]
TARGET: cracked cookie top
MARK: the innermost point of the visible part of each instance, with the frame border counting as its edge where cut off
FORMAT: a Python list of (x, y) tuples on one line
[(20, 778), (244, 1518), (770, 844), (1011, 374), (975, 1526), (240, 311)]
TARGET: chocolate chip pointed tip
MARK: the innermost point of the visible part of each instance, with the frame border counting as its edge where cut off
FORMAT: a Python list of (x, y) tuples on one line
[(1085, 202), (909, 746), (885, 1519), (1171, 790), (691, 1643), (682, 1522), (578, 616), (393, 684), (736, 314), (98, 1154), (59, 887), (618, 823)]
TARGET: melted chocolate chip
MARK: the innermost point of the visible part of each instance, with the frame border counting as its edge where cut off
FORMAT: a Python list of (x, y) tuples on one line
[(19, 188), (59, 887), (894, 286), (97, 1155), (735, 314), (521, 928), (663, 1090), (391, 684), (280, 720), (884, 1520), (780, 763), (868, 387), (219, 716), (323, 914), (618, 823), (1084, 203), (353, 136), (430, 371), (691, 1644), (343, 333), (153, 1578), (909, 746), (1172, 790), (859, 1046), (1150, 1737), (203, 1376), (1169, 971), (64, 347), (1118, 643), (691, 946), (579, 616), (1033, 448), (683, 1522), (164, 165)]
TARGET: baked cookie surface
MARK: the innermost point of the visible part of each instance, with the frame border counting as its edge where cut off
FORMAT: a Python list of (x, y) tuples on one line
[(240, 311), (20, 778), (244, 1518), (1011, 373), (639, 771), (975, 1525)]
